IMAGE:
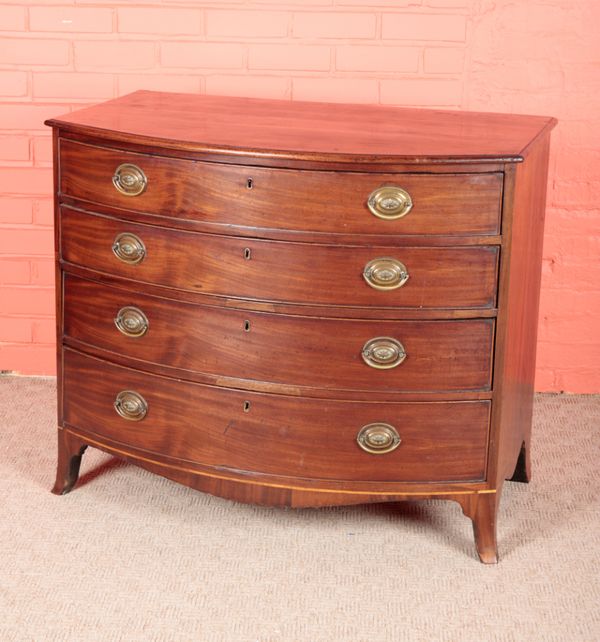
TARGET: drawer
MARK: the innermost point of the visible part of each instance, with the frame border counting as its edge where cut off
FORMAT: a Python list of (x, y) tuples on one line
[(252, 197), (463, 277), (274, 434), (292, 350)]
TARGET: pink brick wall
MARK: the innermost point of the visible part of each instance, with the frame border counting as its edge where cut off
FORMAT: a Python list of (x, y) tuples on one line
[(532, 56)]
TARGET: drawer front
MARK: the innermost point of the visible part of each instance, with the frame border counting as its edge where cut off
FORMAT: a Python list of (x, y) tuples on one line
[(280, 271), (317, 201), (292, 350), (275, 434)]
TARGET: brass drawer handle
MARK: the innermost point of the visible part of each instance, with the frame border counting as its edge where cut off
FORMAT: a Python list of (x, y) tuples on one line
[(131, 322), (131, 405), (385, 273), (378, 438), (389, 202), (383, 353), (129, 248), (129, 179)]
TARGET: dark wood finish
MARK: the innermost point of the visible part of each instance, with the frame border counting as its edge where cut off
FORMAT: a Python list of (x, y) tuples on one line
[(283, 307), (269, 413), (482, 509), (385, 238), (518, 318), (70, 452), (308, 487), (280, 271), (271, 491), (275, 434), (58, 281), (174, 149), (375, 394), (298, 351), (318, 201), (242, 127), (522, 472)]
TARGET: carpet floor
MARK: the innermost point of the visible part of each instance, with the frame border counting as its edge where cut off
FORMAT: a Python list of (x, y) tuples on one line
[(129, 556)]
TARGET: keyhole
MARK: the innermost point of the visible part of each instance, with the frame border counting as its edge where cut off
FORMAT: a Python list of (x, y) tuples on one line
[(249, 184), (247, 253), (246, 326), (246, 406)]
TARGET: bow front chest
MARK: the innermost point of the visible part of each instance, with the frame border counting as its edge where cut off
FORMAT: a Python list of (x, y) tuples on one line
[(300, 304)]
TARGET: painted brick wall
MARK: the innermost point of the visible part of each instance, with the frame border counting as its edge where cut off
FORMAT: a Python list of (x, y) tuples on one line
[(529, 56)]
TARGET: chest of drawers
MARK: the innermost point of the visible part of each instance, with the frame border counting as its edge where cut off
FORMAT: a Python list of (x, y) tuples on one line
[(300, 304)]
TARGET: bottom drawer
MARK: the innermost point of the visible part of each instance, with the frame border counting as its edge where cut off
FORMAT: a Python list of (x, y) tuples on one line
[(275, 434)]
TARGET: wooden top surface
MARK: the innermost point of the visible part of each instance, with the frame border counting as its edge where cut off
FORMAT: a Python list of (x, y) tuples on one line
[(307, 130)]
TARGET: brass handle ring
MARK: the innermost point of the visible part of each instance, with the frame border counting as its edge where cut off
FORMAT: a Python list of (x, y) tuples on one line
[(385, 273), (131, 322), (389, 202), (378, 438), (129, 248), (131, 405), (130, 180), (383, 353)]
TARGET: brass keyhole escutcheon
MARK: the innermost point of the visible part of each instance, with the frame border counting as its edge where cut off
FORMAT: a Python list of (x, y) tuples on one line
[(378, 438), (383, 353), (131, 405), (129, 180), (131, 322), (385, 273), (389, 202)]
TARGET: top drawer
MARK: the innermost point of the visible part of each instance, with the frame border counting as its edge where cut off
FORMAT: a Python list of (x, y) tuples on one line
[(241, 197)]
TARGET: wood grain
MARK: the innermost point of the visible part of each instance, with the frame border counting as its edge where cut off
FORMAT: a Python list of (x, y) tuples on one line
[(518, 318), (383, 237), (280, 271), (307, 130), (258, 308), (278, 435), (339, 310), (297, 351), (268, 490), (317, 201)]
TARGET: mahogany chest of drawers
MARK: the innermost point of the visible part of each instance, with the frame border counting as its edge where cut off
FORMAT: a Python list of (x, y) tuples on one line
[(300, 304)]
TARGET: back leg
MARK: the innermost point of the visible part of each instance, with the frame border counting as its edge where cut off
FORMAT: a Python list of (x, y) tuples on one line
[(523, 468)]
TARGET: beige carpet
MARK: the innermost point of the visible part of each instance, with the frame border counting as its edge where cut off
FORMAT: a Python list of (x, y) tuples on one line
[(129, 556)]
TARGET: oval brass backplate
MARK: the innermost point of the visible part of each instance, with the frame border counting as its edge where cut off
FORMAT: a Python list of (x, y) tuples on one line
[(378, 438), (389, 202), (385, 273), (383, 353), (131, 405), (131, 322), (129, 179), (129, 248)]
